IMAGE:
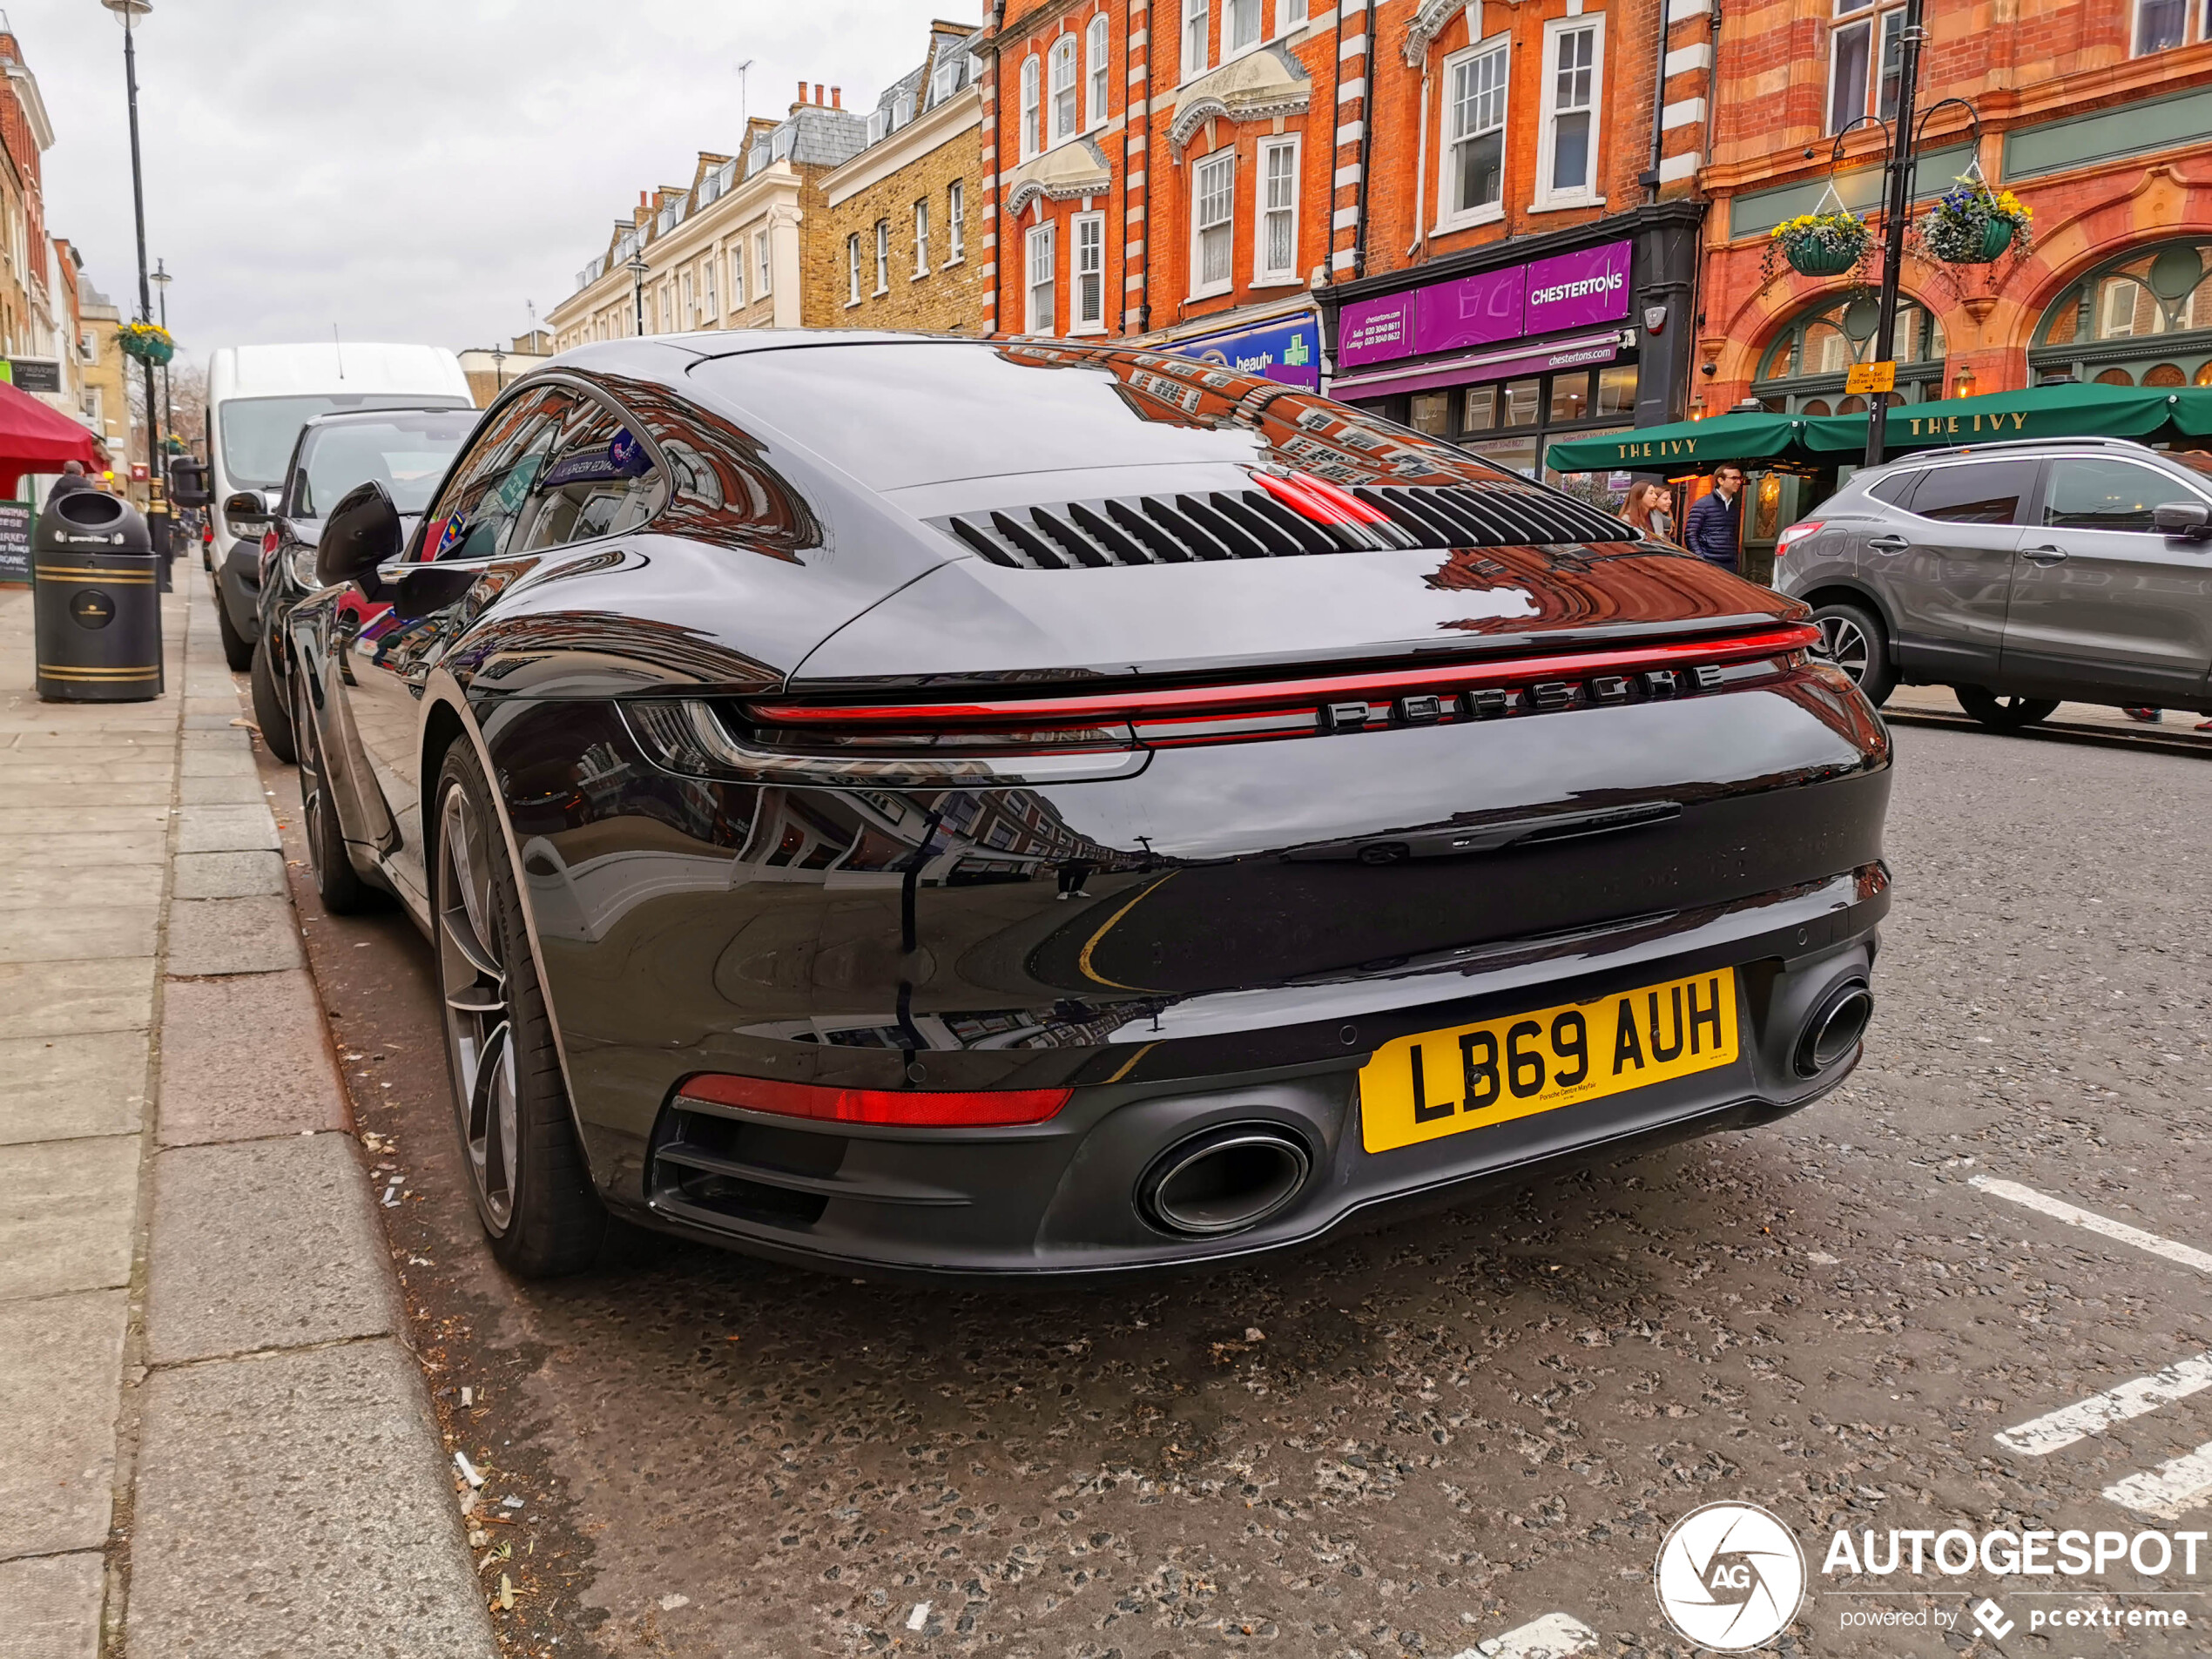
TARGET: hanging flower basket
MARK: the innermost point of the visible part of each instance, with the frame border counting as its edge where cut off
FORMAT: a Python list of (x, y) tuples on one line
[(148, 342), (1822, 244), (1973, 225)]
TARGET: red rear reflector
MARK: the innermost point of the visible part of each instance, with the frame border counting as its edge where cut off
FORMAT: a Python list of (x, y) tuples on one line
[(908, 1108), (269, 541)]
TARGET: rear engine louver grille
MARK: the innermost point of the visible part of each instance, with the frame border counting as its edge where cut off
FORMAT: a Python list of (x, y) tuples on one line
[(1252, 524)]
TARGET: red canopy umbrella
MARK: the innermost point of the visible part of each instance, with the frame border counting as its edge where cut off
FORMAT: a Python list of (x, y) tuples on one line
[(34, 438)]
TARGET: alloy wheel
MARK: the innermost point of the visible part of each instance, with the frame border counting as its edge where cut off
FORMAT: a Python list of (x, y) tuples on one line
[(1844, 643), (480, 1027)]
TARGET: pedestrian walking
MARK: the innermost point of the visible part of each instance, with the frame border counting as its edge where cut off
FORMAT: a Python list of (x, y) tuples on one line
[(1650, 508), (1716, 523)]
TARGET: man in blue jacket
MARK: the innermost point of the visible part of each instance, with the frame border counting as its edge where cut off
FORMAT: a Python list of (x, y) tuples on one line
[(1716, 523)]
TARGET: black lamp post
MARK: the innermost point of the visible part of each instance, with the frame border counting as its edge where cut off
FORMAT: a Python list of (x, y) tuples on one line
[(1904, 157), (128, 11), (638, 267), (161, 280)]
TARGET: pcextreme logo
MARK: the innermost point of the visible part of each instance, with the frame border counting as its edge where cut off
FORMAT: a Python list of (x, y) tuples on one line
[(1729, 1577)]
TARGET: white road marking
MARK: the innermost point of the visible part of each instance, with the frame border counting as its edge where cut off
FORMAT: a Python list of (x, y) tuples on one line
[(2042, 1435), (2187, 1255), (2169, 1491), (1552, 1637)]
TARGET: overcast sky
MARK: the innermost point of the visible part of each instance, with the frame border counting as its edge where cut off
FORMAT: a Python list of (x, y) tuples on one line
[(411, 170)]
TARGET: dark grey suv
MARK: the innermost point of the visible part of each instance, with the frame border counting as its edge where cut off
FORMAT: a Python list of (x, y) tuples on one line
[(2020, 574)]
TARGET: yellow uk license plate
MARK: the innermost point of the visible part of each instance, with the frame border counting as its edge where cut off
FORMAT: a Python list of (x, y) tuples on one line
[(1464, 1077)]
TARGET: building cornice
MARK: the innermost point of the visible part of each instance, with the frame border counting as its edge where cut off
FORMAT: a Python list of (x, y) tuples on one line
[(1261, 85), (927, 133), (1426, 24)]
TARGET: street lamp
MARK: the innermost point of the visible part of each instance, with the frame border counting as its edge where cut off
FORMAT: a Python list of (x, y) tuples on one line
[(161, 280), (127, 12), (1903, 154), (638, 267)]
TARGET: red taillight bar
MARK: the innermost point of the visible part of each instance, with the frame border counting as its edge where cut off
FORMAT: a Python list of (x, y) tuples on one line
[(907, 1108), (1128, 705)]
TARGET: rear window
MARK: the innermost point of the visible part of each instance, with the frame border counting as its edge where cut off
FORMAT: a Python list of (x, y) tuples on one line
[(1981, 492), (406, 454), (257, 433), (1894, 489), (900, 415)]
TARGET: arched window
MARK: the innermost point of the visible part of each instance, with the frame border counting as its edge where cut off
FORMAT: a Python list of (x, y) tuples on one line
[(1806, 364), (1095, 74), (1063, 88), (2144, 319), (1032, 106)]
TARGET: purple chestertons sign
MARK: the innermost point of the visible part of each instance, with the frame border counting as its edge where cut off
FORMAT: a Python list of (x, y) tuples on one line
[(1567, 291)]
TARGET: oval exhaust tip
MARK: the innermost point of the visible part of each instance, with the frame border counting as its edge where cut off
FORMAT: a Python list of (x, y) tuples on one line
[(1225, 1181), (1835, 1028)]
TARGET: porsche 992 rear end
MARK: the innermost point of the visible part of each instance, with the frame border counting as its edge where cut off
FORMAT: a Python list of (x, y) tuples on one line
[(1239, 817)]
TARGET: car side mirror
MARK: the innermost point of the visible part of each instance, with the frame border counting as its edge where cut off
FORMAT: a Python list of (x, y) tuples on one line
[(247, 507), (2190, 520), (361, 532), (188, 482)]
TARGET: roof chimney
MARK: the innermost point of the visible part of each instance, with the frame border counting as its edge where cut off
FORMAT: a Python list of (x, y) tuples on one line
[(818, 91), (837, 97), (802, 91)]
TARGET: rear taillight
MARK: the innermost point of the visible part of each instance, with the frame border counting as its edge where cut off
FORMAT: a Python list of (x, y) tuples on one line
[(1113, 734), (1797, 533), (899, 1108), (1087, 715)]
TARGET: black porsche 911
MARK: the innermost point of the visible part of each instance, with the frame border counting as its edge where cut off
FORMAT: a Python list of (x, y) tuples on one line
[(951, 807)]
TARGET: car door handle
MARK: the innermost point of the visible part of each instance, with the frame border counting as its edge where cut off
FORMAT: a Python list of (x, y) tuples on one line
[(2044, 555), (1889, 544)]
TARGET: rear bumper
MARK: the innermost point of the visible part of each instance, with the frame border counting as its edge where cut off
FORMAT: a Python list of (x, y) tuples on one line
[(1061, 1198)]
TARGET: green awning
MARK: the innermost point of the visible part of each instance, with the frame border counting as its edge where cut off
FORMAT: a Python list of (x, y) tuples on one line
[(1686, 446), (2193, 411), (2066, 411)]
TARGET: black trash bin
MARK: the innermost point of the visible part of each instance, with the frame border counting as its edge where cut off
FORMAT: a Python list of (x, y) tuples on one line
[(95, 581)]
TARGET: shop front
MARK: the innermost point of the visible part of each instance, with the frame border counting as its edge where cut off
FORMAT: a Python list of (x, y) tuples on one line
[(1284, 347), (1511, 347)]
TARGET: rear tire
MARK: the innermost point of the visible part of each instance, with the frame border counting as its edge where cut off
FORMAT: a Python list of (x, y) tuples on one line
[(2001, 711), (532, 1186), (237, 651), (269, 710), (1853, 639), (338, 885)]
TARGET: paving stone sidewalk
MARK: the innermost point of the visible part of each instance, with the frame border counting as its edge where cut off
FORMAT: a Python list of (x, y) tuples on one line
[(218, 1444)]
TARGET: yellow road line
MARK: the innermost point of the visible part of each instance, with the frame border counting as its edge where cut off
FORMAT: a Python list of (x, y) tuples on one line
[(1082, 962)]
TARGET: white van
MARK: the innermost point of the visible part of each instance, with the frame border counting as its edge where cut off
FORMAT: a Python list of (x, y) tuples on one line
[(257, 399)]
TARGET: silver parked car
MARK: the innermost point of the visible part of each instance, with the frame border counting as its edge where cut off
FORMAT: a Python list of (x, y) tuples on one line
[(2019, 574)]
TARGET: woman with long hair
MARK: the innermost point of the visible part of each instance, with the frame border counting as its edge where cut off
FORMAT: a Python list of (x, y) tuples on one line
[(1650, 508)]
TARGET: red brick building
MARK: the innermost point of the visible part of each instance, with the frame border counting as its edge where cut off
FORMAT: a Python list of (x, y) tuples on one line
[(2097, 115), (1226, 177), (1171, 169)]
